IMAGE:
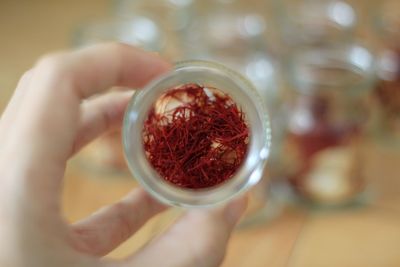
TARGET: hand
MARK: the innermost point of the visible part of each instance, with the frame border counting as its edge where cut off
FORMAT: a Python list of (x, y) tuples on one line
[(49, 118)]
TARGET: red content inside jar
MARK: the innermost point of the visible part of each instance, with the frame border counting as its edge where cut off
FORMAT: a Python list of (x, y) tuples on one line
[(195, 136)]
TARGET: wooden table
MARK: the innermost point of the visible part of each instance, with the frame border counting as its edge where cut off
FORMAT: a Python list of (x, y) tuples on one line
[(366, 236)]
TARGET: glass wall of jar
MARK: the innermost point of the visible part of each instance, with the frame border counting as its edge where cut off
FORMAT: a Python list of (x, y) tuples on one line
[(386, 18), (326, 101)]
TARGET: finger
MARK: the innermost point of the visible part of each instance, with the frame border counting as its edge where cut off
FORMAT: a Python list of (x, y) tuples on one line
[(106, 229), (60, 82), (52, 104), (198, 239), (99, 115)]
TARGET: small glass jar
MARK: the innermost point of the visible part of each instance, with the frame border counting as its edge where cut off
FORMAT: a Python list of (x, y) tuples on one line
[(386, 19), (227, 29), (315, 22), (138, 30), (243, 94), (175, 15), (327, 104)]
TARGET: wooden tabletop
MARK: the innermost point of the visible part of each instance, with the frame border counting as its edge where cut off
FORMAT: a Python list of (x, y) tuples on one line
[(365, 236)]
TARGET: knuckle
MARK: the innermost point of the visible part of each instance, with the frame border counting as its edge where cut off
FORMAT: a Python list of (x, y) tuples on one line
[(118, 46), (52, 64), (50, 60), (125, 224), (119, 50), (26, 75)]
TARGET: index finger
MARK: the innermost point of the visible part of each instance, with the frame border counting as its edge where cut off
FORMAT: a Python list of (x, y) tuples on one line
[(51, 107), (60, 82)]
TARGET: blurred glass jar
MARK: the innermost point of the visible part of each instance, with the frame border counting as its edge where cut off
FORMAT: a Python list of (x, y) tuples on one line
[(327, 115), (387, 93), (175, 16), (105, 156), (139, 30), (237, 35), (221, 23), (305, 22)]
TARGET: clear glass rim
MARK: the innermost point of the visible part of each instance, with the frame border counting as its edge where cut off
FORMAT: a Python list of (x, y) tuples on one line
[(247, 175)]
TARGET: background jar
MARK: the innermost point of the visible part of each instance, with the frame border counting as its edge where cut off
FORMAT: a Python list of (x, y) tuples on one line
[(315, 22), (327, 106), (386, 22), (242, 93)]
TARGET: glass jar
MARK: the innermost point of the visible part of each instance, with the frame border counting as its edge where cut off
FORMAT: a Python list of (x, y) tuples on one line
[(327, 115), (237, 36), (220, 24), (174, 14), (387, 92), (138, 30), (210, 75), (306, 22)]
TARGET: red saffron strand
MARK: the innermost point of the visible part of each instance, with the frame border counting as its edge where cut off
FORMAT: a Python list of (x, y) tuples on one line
[(199, 142)]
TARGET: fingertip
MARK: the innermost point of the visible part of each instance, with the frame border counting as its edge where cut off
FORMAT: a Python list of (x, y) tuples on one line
[(164, 64), (136, 66), (153, 65)]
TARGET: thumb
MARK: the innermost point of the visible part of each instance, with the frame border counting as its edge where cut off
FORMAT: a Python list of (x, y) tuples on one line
[(199, 238)]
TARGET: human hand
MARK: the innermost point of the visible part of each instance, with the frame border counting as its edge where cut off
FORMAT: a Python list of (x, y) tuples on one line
[(49, 118)]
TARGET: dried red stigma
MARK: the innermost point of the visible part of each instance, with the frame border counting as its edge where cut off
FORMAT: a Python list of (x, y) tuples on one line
[(195, 136)]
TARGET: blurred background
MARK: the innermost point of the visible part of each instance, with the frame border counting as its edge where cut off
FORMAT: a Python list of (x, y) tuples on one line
[(329, 73)]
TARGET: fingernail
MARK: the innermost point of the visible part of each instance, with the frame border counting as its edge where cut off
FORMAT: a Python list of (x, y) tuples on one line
[(235, 209)]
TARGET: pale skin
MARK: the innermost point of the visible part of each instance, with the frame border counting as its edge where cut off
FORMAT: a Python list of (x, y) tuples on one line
[(50, 117)]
